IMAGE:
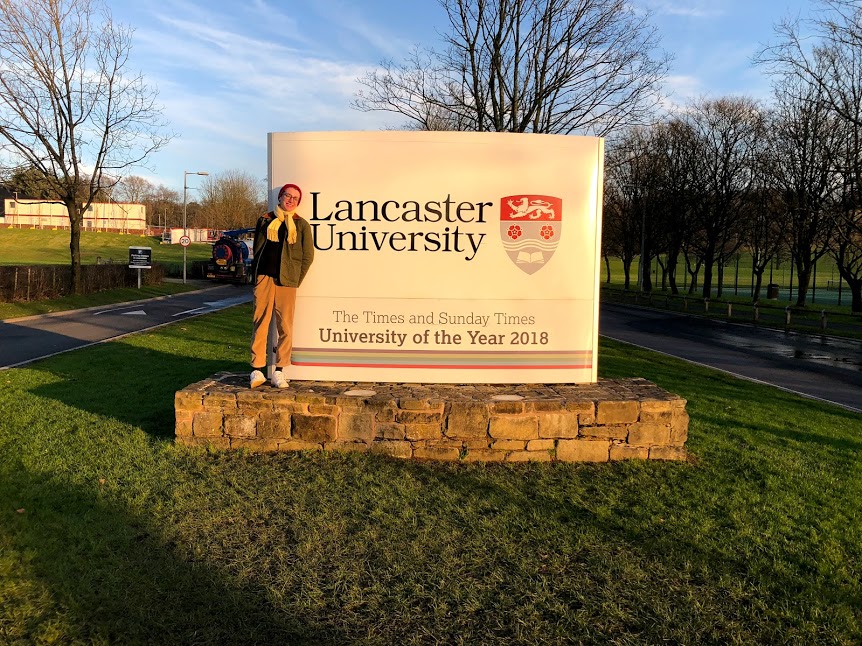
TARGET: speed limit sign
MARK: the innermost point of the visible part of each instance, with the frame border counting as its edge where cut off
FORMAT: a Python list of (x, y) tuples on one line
[(185, 241)]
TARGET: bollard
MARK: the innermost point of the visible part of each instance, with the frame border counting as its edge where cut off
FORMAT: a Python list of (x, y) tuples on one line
[(706, 306), (823, 320), (756, 312), (729, 310), (787, 316), (685, 303)]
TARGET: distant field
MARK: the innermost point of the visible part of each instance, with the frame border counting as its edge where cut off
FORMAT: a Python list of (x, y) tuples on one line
[(43, 247), (738, 280)]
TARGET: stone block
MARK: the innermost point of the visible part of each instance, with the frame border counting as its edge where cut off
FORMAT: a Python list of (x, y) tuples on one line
[(255, 444), (678, 434), (477, 443), (274, 426), (223, 401), (298, 445), (356, 427), (385, 414), (188, 401), (484, 455), (656, 411), (520, 427), (314, 428), (649, 434), (436, 453), (445, 443), (556, 425), (507, 408), (583, 450), (393, 448), (219, 443), (207, 424), (421, 404), (626, 452), (529, 456), (240, 426), (612, 432), (346, 447), (541, 445), (416, 432), (667, 453), (509, 445), (183, 423), (467, 420), (323, 409), (390, 431), (418, 417), (546, 406), (585, 410), (611, 412), (310, 398)]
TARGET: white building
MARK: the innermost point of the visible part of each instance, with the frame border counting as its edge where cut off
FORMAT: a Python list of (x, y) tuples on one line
[(117, 217)]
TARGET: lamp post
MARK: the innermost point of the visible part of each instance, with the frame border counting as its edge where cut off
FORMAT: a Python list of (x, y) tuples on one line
[(185, 226)]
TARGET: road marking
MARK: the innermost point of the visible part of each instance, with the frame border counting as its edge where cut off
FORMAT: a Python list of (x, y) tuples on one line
[(116, 309), (197, 309), (135, 313)]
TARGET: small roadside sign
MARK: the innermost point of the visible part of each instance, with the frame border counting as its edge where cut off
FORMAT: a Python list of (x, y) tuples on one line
[(185, 241), (140, 257)]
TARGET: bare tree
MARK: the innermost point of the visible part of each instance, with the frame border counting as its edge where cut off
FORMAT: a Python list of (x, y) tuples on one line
[(69, 104), (727, 130), (134, 189), (231, 200), (550, 66)]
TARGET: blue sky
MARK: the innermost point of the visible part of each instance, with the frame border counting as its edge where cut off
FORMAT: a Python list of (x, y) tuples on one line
[(229, 72)]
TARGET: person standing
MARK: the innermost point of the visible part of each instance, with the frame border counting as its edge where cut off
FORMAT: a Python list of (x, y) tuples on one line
[(283, 253)]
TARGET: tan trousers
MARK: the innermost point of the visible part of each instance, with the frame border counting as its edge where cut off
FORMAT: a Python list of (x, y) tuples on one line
[(270, 298)]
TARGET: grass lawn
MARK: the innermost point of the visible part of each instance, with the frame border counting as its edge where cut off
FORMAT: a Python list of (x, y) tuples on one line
[(48, 247), (111, 534)]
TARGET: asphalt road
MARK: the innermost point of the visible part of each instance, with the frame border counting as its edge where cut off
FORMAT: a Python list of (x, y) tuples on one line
[(820, 367), (824, 368), (35, 337)]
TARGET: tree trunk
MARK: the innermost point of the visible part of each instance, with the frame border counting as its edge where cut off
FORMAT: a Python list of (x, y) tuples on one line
[(708, 263), (855, 295), (803, 275), (608, 268), (627, 272), (75, 246), (758, 282), (719, 288)]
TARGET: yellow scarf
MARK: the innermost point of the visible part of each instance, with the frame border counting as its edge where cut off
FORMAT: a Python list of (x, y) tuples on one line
[(281, 216)]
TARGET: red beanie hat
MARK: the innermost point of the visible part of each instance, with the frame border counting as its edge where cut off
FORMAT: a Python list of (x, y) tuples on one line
[(287, 186)]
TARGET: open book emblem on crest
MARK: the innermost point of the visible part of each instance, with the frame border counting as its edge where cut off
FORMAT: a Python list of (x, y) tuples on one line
[(530, 226)]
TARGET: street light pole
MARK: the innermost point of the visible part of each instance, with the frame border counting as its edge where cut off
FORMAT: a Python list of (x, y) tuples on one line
[(185, 225)]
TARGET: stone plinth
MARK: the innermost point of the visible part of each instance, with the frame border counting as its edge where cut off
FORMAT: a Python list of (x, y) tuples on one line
[(618, 419)]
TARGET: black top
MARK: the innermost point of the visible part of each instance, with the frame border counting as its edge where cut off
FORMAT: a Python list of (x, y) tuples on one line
[(270, 258)]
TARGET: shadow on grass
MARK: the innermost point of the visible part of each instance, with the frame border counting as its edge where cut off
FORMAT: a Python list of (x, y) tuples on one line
[(132, 384), (112, 578)]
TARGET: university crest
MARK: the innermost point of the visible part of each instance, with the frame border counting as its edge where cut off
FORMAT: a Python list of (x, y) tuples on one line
[(530, 227)]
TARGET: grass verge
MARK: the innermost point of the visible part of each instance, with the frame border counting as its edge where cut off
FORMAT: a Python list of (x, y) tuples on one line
[(107, 297), (111, 534), (48, 247)]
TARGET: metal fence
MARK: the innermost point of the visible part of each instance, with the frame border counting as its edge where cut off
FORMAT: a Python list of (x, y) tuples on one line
[(38, 282), (809, 319)]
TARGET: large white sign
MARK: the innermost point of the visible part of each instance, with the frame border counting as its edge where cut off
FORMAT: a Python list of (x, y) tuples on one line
[(446, 257)]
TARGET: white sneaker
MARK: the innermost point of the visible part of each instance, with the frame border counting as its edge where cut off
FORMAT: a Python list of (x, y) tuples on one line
[(256, 379), (279, 380)]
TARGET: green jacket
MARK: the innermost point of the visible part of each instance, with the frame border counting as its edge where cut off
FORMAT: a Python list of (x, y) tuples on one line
[(296, 258)]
